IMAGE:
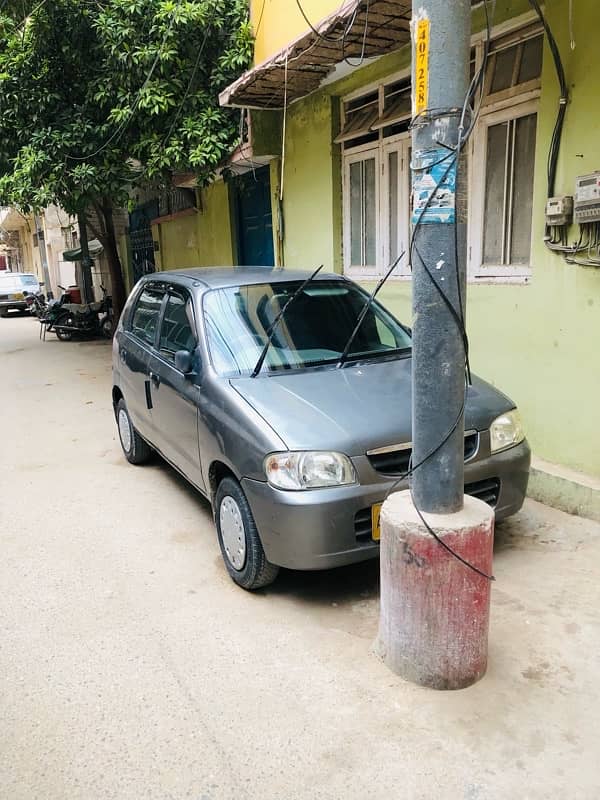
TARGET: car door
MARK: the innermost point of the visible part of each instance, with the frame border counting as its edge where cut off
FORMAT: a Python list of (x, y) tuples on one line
[(137, 340), (175, 396)]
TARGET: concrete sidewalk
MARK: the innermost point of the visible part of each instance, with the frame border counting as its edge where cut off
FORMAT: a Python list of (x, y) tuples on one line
[(132, 667)]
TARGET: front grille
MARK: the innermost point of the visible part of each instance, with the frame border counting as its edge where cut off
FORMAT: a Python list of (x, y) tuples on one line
[(363, 526), (397, 462), (487, 490)]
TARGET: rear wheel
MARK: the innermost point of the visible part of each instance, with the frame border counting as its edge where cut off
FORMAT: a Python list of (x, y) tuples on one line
[(240, 543), (136, 450), (67, 319), (3, 312)]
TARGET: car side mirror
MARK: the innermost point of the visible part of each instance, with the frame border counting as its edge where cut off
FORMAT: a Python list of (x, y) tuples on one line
[(184, 362)]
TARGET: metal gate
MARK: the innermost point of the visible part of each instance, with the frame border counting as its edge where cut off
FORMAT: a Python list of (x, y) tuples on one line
[(140, 238)]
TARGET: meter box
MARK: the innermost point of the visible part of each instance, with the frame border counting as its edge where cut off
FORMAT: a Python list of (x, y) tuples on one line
[(587, 198), (559, 210)]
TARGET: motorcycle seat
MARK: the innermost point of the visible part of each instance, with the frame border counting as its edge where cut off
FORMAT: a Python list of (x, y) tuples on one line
[(83, 308)]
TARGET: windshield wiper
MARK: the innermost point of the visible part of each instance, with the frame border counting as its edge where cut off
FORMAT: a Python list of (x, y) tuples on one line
[(364, 311), (277, 320)]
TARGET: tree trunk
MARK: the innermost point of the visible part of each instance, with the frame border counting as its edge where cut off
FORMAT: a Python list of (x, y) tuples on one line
[(112, 255), (87, 289)]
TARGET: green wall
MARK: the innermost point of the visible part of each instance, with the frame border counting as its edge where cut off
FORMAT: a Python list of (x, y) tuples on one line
[(309, 213), (539, 341)]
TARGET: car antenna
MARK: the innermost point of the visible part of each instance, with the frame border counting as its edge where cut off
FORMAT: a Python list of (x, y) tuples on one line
[(365, 308), (278, 319)]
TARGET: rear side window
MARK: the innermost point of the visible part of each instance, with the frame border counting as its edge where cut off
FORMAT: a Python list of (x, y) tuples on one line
[(177, 331), (145, 315)]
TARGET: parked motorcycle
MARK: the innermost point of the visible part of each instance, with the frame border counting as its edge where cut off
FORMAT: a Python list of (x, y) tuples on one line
[(89, 319), (53, 311), (37, 304)]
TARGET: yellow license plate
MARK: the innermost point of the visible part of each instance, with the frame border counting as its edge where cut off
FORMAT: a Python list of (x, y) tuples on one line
[(375, 521), (18, 296)]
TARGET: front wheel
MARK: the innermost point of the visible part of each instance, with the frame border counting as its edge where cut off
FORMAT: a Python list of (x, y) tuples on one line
[(135, 449), (240, 543), (64, 319), (107, 328)]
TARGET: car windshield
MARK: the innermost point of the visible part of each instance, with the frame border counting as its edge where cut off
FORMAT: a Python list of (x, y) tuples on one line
[(313, 331), (17, 281)]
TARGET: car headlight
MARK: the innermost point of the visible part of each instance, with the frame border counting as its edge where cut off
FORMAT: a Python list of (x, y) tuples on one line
[(506, 431), (312, 469)]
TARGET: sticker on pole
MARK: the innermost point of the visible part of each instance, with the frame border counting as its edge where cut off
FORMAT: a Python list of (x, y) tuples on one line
[(421, 66), (434, 186)]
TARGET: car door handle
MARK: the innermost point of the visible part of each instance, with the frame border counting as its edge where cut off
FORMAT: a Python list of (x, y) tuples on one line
[(155, 379)]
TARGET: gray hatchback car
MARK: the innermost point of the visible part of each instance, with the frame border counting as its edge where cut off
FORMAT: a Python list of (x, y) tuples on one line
[(296, 453)]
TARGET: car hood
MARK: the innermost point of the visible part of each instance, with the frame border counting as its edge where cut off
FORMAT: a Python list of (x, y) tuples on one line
[(354, 409)]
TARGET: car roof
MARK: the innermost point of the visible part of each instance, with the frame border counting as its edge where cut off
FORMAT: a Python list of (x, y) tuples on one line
[(223, 277), (18, 274)]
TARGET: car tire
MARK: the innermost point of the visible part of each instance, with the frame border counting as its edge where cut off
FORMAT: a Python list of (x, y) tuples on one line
[(135, 449), (4, 312), (239, 541)]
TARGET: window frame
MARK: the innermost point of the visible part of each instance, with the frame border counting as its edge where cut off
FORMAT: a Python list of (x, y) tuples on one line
[(351, 156), (381, 146), (493, 115), (517, 101)]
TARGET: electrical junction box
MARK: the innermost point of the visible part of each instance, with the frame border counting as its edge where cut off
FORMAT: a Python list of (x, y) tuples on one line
[(586, 205), (559, 210)]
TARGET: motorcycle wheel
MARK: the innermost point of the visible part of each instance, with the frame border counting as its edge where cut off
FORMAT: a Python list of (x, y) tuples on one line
[(64, 319), (107, 328)]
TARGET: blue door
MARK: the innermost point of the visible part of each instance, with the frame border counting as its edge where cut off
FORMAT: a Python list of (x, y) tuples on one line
[(254, 219)]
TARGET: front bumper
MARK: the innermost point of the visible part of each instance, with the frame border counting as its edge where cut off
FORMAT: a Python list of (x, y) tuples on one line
[(323, 528), (7, 305)]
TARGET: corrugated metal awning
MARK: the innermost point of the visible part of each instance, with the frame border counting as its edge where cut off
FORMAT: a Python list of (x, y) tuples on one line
[(360, 29)]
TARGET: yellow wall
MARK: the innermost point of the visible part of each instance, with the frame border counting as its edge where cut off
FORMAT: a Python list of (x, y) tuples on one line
[(277, 22), (200, 239)]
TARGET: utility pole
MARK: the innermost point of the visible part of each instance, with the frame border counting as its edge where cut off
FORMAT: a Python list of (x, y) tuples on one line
[(86, 261), (436, 545), (41, 240), (441, 77)]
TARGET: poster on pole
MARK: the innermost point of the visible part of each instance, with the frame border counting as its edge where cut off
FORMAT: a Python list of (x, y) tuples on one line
[(434, 186)]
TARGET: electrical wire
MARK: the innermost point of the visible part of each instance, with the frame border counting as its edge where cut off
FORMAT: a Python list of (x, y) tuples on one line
[(562, 102)]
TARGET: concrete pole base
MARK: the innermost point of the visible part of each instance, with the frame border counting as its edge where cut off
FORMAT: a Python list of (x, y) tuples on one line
[(435, 611)]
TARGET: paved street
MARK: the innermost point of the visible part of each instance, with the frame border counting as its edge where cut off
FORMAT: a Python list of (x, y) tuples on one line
[(131, 666)]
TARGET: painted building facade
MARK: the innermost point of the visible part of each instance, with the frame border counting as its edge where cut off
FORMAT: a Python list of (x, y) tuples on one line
[(334, 135)]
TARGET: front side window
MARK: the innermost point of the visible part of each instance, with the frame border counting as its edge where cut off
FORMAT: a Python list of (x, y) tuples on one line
[(177, 330), (144, 320), (314, 331)]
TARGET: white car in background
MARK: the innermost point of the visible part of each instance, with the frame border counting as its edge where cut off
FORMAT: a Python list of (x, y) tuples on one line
[(12, 288)]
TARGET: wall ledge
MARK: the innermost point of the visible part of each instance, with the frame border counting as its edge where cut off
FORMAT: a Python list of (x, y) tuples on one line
[(186, 212), (564, 488)]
